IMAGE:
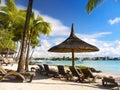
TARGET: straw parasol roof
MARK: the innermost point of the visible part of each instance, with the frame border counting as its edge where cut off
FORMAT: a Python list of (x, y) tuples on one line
[(73, 44)]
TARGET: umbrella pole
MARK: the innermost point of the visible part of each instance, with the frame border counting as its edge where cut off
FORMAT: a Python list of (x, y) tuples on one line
[(73, 63)]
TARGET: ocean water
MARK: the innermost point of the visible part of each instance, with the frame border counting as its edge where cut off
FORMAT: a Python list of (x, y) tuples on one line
[(106, 66)]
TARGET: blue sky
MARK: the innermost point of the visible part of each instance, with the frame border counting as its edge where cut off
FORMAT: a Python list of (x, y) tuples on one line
[(100, 28)]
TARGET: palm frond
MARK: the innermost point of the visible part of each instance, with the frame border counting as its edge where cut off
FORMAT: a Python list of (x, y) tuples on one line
[(92, 4), (4, 9), (11, 5), (39, 18)]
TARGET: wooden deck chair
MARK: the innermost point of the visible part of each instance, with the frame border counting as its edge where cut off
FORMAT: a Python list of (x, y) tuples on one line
[(50, 72), (7, 73), (38, 69), (22, 76), (109, 81), (41, 69), (88, 74), (5, 61), (77, 74), (64, 73)]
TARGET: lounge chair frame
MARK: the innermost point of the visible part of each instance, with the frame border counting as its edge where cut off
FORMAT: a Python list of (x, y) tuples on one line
[(22, 76), (77, 74), (64, 74)]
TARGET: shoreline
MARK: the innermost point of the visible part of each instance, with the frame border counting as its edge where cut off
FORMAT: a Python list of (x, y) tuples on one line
[(106, 66), (15, 65), (45, 83)]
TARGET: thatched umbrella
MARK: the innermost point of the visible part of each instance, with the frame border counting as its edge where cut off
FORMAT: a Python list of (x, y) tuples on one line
[(73, 44)]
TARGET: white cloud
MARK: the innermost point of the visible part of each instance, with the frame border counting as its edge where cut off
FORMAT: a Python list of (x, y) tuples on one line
[(107, 48), (41, 51), (58, 40), (114, 21), (21, 7), (95, 35), (110, 48), (3, 3), (58, 29), (101, 34)]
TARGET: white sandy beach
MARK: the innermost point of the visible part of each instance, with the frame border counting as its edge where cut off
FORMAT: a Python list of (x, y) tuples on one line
[(44, 83)]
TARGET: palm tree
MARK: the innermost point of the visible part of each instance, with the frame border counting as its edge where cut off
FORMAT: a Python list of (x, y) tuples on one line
[(11, 19), (33, 29), (23, 49), (37, 26)]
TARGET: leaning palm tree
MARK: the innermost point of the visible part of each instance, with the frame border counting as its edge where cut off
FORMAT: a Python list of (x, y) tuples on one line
[(37, 26), (34, 43)]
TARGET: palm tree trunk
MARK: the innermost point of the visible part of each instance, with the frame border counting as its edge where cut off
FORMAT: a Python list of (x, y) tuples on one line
[(21, 63), (7, 52), (27, 56), (18, 54), (32, 53)]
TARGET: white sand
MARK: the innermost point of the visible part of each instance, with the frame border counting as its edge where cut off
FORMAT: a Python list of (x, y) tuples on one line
[(45, 83)]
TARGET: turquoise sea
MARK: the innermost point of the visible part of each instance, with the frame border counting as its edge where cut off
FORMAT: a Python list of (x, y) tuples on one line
[(107, 66)]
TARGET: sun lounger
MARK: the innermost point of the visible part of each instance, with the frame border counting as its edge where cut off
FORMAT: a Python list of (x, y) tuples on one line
[(41, 69), (64, 73), (50, 72), (77, 74), (88, 74), (107, 81), (38, 69), (22, 76), (6, 62), (5, 74)]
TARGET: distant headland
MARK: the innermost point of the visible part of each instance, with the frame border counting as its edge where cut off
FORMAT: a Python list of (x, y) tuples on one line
[(79, 58)]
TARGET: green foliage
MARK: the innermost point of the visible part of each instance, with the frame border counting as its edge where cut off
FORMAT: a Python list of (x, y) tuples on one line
[(82, 67), (11, 5), (64, 58), (37, 26), (11, 18), (6, 40), (92, 4)]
